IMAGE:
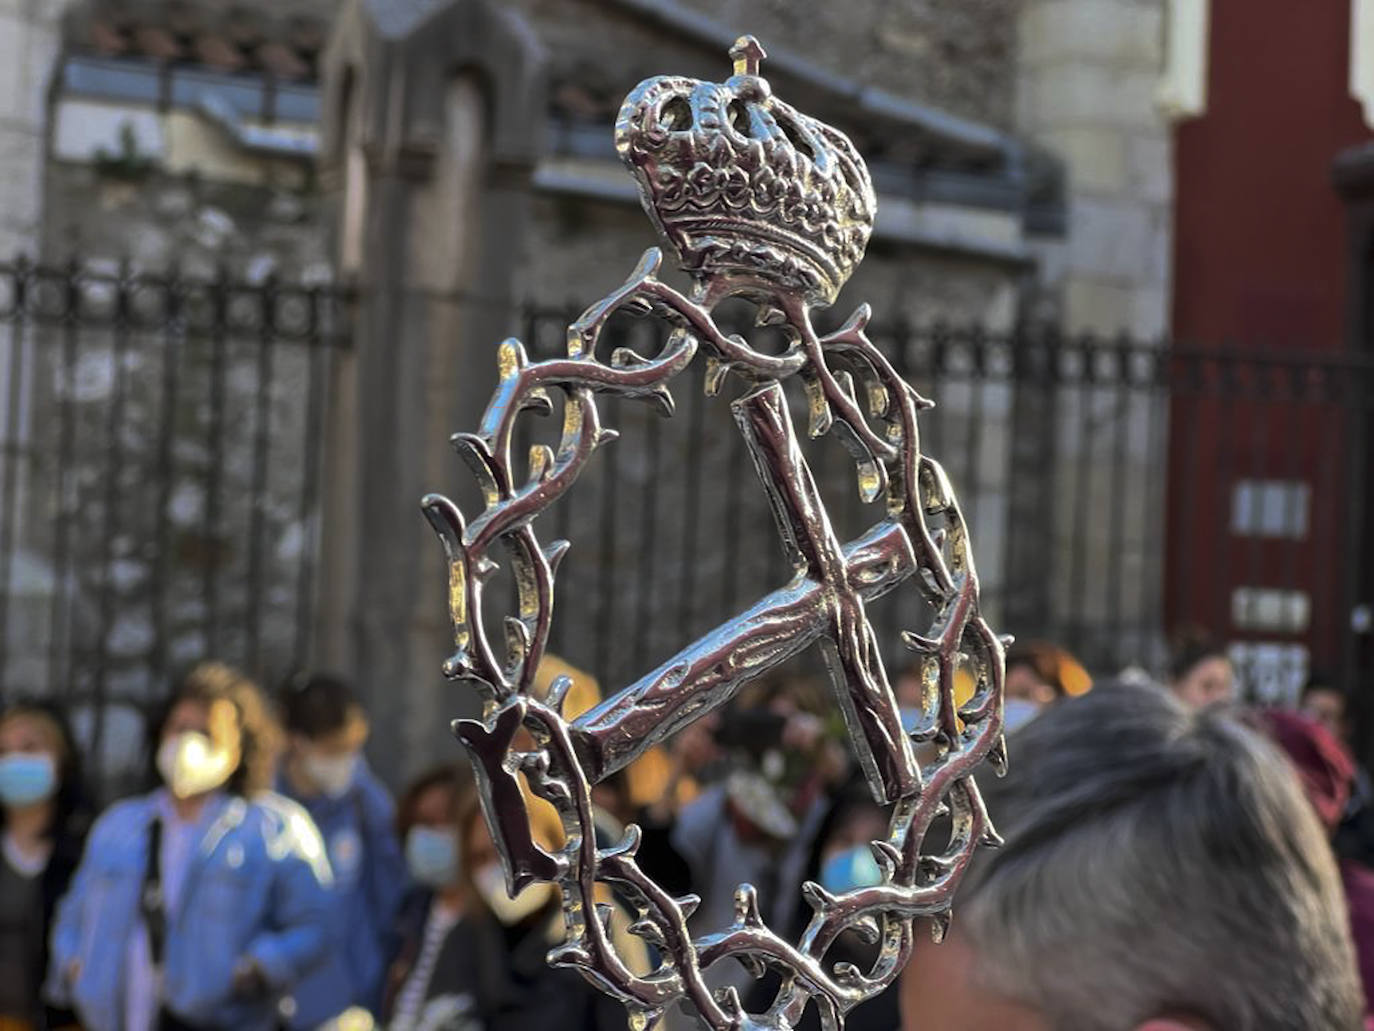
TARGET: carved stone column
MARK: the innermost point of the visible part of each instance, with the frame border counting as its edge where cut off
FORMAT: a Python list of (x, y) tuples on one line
[(433, 117)]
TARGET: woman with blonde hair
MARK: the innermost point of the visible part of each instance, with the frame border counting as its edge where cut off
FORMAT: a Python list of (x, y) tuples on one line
[(203, 903)]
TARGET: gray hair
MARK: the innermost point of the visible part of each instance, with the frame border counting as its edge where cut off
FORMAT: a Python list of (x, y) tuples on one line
[(1159, 862)]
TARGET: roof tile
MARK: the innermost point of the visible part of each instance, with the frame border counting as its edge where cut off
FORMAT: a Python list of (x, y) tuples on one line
[(217, 52), (281, 38), (156, 42), (106, 38), (281, 61)]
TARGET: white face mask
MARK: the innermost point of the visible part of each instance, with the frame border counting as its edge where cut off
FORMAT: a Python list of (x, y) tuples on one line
[(491, 885), (190, 764), (332, 774)]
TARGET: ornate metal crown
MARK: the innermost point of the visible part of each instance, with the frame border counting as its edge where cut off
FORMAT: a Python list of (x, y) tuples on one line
[(737, 181)]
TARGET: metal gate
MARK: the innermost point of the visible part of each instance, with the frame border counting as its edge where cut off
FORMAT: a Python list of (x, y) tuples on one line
[(160, 480)]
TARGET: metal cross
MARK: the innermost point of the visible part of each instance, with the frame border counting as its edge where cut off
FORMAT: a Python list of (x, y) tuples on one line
[(825, 599)]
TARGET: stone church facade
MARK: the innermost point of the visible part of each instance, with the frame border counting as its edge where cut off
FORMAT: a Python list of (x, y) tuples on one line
[(451, 162)]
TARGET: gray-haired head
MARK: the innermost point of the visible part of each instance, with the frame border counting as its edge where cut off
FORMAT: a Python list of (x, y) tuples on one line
[(1159, 861)]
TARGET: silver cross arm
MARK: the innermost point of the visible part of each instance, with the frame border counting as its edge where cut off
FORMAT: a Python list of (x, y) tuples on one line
[(824, 600)]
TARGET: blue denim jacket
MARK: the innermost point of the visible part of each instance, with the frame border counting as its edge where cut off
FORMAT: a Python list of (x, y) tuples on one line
[(258, 886), (370, 877)]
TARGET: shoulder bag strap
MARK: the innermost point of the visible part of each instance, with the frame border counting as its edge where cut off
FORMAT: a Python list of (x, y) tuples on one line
[(152, 902)]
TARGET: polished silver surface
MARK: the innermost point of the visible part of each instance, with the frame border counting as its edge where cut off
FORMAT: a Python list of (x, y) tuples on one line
[(761, 202)]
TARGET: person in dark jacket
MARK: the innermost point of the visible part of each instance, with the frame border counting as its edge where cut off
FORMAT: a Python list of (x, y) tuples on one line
[(492, 973), (427, 823), (43, 822), (841, 860)]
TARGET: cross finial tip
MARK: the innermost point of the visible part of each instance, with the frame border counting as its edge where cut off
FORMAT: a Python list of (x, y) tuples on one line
[(747, 53)]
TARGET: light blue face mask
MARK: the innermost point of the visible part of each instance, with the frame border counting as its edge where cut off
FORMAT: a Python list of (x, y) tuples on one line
[(853, 868), (1017, 712), (432, 855), (27, 778)]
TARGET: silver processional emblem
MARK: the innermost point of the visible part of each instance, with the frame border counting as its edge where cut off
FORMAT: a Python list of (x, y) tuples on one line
[(762, 202)]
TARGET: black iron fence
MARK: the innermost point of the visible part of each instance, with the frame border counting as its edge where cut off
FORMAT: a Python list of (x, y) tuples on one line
[(160, 476), (160, 483), (1116, 492)]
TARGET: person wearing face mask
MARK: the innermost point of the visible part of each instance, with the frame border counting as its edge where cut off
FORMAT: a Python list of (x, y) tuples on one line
[(492, 974), (325, 772), (427, 824), (841, 861), (204, 903), (1038, 673), (43, 820)]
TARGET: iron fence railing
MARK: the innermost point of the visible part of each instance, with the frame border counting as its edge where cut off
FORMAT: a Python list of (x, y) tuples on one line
[(1107, 483), (160, 476), (160, 485)]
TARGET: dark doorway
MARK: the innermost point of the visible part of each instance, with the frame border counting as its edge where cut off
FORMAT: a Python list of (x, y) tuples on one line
[(1353, 173)]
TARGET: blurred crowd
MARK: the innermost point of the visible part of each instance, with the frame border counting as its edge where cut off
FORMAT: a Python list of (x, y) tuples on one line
[(1171, 861)]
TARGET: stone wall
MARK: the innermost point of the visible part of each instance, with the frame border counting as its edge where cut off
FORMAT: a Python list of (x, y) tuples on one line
[(161, 513), (580, 249), (1089, 71), (200, 225), (957, 55), (29, 41), (1089, 75)]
